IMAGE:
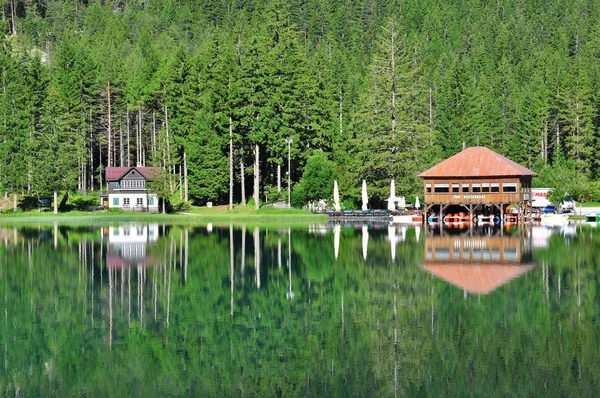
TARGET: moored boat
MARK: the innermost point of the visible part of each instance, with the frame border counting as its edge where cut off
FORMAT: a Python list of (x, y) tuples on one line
[(554, 219)]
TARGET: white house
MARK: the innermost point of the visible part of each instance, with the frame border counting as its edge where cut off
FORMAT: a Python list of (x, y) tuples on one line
[(127, 188)]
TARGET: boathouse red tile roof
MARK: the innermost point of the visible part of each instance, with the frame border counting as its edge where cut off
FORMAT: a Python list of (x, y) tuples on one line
[(478, 278), (477, 162), (116, 173)]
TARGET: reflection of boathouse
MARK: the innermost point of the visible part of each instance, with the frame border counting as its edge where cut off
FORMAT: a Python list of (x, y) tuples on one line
[(477, 264), (476, 181), (128, 243)]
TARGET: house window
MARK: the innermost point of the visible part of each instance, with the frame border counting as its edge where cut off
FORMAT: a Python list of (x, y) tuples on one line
[(125, 201), (509, 187), (150, 201), (495, 187), (465, 188), (441, 188), (117, 185), (115, 201), (476, 188), (139, 202), (485, 187), (428, 188), (455, 188)]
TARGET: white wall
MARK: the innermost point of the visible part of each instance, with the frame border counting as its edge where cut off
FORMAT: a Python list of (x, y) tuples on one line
[(133, 197)]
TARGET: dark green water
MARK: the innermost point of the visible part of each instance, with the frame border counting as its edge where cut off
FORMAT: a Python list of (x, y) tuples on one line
[(153, 310)]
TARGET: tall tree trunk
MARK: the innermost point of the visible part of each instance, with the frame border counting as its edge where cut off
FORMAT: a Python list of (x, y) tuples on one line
[(140, 160), (127, 152), (341, 111), (256, 178), (13, 17), (278, 178), (91, 153), (55, 202), (185, 177), (230, 163), (121, 148), (168, 149), (108, 128), (153, 134), (545, 143), (15, 202), (243, 180)]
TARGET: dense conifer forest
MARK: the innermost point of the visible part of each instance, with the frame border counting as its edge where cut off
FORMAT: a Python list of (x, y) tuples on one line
[(364, 89)]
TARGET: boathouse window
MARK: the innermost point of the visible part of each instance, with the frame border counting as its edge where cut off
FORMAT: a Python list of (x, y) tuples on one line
[(428, 186), (509, 187), (455, 188), (441, 188), (476, 188), (465, 188), (495, 187), (485, 187)]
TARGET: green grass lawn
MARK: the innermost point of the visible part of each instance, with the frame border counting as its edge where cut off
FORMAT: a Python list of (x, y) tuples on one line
[(195, 215), (588, 204)]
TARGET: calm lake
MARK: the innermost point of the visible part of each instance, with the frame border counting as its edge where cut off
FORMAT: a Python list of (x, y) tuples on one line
[(140, 309)]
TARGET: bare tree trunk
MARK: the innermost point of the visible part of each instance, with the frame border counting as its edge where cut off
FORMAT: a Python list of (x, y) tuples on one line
[(55, 202), (185, 177), (15, 202), (127, 152), (243, 180), (180, 184), (91, 153), (278, 178), (256, 178), (121, 152), (153, 134), (108, 129), (230, 164), (341, 111), (139, 159), (13, 17), (545, 142), (168, 147)]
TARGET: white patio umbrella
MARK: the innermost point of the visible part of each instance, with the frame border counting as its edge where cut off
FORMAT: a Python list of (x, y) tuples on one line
[(417, 204), (417, 232), (365, 241), (392, 198), (336, 239), (402, 202), (336, 196), (392, 238), (365, 198)]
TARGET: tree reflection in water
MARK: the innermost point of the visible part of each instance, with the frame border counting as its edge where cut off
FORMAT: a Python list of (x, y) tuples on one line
[(180, 313)]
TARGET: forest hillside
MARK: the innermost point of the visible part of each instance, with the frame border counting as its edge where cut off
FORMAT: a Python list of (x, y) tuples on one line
[(359, 89)]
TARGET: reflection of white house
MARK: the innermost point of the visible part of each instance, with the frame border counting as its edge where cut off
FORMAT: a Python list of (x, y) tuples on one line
[(127, 188), (128, 243)]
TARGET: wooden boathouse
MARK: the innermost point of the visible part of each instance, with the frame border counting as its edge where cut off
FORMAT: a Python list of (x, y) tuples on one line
[(477, 182)]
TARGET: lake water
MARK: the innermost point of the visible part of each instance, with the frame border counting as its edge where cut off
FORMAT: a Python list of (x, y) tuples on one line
[(326, 310)]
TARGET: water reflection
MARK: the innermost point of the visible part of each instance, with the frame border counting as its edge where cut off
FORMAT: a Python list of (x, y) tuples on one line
[(147, 309), (127, 244), (478, 262)]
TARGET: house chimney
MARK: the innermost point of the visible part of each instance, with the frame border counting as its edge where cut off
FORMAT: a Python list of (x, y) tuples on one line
[(464, 146)]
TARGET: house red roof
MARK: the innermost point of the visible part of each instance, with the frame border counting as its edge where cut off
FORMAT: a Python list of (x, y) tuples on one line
[(477, 162), (116, 173), (479, 278)]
